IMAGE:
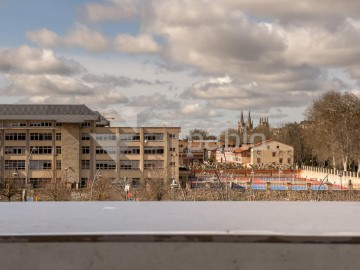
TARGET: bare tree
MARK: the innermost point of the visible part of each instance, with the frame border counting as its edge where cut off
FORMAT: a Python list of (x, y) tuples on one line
[(9, 188), (54, 190), (335, 127), (104, 189), (296, 135)]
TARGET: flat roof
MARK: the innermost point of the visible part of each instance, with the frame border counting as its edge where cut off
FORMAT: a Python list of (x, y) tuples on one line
[(181, 221)]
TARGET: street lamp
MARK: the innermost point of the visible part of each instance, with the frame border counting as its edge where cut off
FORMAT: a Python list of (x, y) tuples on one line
[(15, 175), (251, 182), (126, 188), (340, 174), (97, 175), (32, 149), (324, 181), (175, 185), (66, 169)]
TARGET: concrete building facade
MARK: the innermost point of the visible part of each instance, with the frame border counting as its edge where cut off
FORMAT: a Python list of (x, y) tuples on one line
[(73, 143), (270, 152)]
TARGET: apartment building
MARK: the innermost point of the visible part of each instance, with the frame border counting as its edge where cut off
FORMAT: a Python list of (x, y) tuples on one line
[(195, 151), (73, 143), (269, 152)]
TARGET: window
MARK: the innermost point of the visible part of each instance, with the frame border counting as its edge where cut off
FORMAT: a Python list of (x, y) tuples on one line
[(172, 149), (58, 150), (129, 164), (15, 124), (58, 124), (40, 136), (14, 164), (172, 136), (153, 150), (85, 164), (258, 160), (135, 182), (39, 182), (153, 136), (280, 160), (277, 146), (105, 150), (289, 160), (85, 136), (105, 165), (58, 136), (86, 124), (83, 182), (41, 150), (40, 124), (58, 164), (85, 150), (258, 152), (172, 163), (14, 150), (130, 150), (130, 137), (15, 136), (153, 164), (40, 164), (105, 137), (268, 147), (274, 154)]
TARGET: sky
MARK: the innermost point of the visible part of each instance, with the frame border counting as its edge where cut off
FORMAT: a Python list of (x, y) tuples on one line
[(187, 63)]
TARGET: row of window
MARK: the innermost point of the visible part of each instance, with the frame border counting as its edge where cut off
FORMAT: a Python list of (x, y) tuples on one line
[(128, 150), (124, 164), (33, 136), (38, 150), (31, 124), (47, 150), (34, 164), (289, 152), (20, 136), (127, 137), (281, 160)]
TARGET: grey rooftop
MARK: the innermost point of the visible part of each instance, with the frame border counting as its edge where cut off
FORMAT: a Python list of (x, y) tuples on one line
[(60, 113)]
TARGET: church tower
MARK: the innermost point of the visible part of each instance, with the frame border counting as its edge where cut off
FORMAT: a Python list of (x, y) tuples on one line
[(241, 123), (264, 122), (249, 123)]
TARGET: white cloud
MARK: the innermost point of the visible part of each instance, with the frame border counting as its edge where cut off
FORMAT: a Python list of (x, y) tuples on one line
[(44, 38), (136, 44), (102, 98), (230, 94), (29, 60), (156, 101), (80, 36), (116, 10), (59, 89)]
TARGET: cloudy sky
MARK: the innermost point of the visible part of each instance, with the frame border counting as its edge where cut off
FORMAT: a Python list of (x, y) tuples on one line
[(188, 63)]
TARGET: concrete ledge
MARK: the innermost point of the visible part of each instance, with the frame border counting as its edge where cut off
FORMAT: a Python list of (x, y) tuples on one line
[(180, 235)]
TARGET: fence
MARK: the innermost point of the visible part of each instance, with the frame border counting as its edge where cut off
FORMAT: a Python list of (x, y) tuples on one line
[(337, 177)]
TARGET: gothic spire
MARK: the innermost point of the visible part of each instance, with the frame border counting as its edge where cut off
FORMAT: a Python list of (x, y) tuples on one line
[(249, 119), (242, 118)]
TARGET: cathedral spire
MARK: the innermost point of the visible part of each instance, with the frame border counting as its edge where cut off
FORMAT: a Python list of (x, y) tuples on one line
[(249, 119), (242, 118), (249, 123)]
